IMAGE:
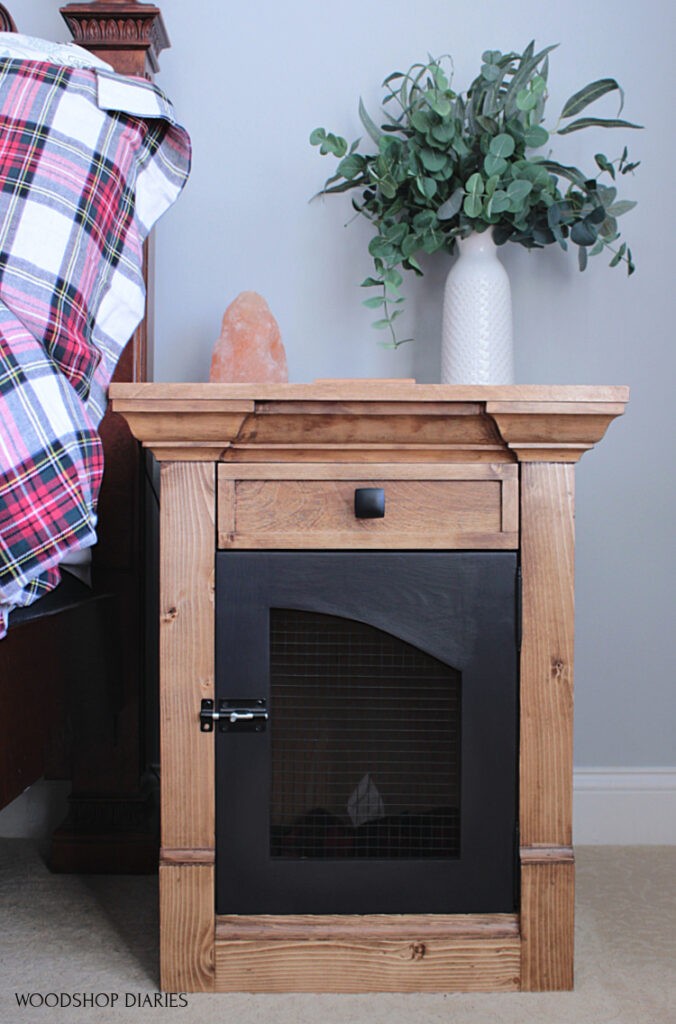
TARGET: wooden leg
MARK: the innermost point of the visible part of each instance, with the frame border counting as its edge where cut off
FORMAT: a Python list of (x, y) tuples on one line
[(546, 757), (187, 927), (187, 754), (547, 921)]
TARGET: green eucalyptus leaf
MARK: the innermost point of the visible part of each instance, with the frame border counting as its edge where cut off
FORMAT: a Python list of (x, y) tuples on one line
[(424, 220), (542, 234), (490, 72), (583, 233), (589, 94), (317, 136), (334, 144), (381, 325), (604, 164), (351, 166), (409, 245), (334, 189), (375, 303), (380, 248), (609, 228), (395, 234), (432, 242), (528, 63), (630, 167), (582, 257), (426, 186), (618, 255), (370, 125), (492, 184), (494, 165), (421, 121), (502, 233), (393, 278), (607, 194), (499, 202), (622, 206), (554, 215), (370, 282), (562, 170), (452, 206), (536, 136), (502, 145), (473, 205), (432, 160), (443, 132), (526, 100), (489, 124), (441, 105), (518, 190), (597, 216), (595, 122), (474, 185)]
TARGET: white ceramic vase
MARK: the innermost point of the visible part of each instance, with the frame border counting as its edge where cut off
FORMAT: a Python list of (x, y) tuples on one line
[(477, 335)]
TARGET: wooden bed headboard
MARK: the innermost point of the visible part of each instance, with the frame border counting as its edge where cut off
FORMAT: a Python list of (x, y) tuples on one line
[(105, 754)]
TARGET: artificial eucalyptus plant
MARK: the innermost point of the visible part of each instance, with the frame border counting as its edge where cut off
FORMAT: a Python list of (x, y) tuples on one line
[(449, 163)]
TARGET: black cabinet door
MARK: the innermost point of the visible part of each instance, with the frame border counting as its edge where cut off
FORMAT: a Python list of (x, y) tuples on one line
[(384, 780)]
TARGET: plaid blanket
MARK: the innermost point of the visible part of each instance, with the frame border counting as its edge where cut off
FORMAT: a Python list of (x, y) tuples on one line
[(88, 161)]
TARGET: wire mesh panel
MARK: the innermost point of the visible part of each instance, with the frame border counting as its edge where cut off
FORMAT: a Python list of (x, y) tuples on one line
[(365, 743)]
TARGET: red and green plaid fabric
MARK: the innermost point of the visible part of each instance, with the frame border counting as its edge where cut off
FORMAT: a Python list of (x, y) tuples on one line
[(88, 162)]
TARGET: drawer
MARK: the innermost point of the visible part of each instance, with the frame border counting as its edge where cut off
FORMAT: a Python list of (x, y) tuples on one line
[(312, 506)]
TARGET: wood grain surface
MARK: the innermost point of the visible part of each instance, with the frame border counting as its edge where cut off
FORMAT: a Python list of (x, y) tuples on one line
[(187, 524), (374, 965), (186, 928)]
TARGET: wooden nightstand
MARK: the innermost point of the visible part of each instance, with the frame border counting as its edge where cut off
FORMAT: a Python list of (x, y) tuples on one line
[(465, 469)]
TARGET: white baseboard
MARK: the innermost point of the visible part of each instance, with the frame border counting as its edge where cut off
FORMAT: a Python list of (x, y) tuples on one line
[(611, 807), (624, 806)]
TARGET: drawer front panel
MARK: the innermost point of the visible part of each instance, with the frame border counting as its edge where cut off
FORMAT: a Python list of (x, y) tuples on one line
[(425, 507)]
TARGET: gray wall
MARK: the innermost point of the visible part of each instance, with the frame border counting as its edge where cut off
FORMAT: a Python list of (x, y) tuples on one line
[(251, 80)]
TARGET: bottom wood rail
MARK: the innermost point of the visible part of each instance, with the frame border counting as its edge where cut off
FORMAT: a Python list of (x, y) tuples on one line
[(374, 953)]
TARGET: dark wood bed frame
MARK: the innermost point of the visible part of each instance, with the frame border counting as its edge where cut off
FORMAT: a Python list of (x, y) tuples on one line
[(76, 679)]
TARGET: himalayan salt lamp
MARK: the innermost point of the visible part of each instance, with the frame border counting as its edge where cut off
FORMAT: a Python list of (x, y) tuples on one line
[(250, 347)]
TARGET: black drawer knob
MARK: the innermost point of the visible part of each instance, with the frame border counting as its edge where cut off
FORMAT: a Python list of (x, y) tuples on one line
[(369, 503)]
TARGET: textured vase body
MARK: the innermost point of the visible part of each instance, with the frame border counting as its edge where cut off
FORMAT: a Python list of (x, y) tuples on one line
[(477, 335)]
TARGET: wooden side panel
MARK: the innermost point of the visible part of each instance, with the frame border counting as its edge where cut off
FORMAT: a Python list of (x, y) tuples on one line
[(547, 923), (348, 965), (187, 527), (186, 928), (546, 755), (547, 495)]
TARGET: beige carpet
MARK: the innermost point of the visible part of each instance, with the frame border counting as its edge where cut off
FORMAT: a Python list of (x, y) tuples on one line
[(76, 934)]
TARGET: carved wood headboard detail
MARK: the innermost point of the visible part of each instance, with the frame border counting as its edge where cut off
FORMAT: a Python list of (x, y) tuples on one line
[(6, 20), (128, 34)]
